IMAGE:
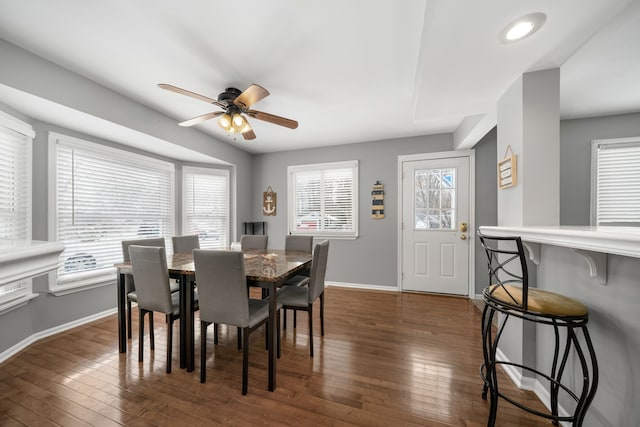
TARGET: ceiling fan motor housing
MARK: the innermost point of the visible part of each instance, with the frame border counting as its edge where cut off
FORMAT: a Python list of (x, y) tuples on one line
[(229, 95)]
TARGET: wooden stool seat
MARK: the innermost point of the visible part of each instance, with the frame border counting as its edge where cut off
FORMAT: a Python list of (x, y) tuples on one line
[(540, 302)]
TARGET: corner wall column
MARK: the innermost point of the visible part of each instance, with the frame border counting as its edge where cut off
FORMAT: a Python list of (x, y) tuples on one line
[(528, 116)]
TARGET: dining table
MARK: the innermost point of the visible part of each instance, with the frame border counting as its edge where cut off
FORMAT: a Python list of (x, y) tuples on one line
[(264, 268)]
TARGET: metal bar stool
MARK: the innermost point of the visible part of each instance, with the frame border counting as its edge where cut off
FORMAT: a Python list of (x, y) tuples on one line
[(509, 293)]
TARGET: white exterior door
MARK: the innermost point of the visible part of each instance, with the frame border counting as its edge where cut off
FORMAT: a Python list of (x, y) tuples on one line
[(435, 222)]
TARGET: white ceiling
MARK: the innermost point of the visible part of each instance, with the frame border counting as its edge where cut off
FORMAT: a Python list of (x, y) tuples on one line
[(347, 70)]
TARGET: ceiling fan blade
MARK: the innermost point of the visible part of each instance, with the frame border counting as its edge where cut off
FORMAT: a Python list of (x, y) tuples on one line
[(201, 118), (272, 118), (248, 135), (181, 91), (250, 96)]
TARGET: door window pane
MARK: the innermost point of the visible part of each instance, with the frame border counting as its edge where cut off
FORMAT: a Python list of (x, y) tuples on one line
[(435, 199)]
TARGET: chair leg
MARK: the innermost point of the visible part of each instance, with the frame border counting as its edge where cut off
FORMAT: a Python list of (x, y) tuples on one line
[(203, 349), (310, 313), (152, 337), (239, 334), (169, 342), (245, 359), (215, 332), (128, 318), (278, 335), (322, 314), (295, 318), (590, 385), (554, 386), (284, 319), (140, 334)]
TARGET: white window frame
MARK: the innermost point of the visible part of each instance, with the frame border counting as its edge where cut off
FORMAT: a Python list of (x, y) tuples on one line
[(595, 147), (75, 282), (22, 290), (333, 234), (207, 171)]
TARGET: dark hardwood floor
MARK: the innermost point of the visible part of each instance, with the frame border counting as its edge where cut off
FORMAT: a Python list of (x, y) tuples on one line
[(387, 359)]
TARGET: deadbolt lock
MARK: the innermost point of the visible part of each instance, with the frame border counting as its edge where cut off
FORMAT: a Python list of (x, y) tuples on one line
[(463, 227)]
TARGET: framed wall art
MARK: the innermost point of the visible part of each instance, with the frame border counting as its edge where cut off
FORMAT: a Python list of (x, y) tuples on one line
[(507, 170)]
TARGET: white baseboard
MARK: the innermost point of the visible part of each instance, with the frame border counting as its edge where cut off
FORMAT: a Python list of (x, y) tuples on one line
[(52, 331), (362, 286)]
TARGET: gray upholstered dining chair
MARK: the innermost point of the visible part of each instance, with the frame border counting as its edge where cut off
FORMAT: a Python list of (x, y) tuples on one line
[(298, 243), (151, 275), (303, 297), (224, 299), (185, 244), (130, 287), (251, 241)]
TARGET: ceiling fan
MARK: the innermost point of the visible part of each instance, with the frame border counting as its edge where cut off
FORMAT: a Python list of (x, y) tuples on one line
[(235, 105)]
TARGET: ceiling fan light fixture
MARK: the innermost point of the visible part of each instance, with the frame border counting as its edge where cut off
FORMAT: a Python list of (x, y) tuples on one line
[(522, 27), (246, 128), (238, 121), (225, 122)]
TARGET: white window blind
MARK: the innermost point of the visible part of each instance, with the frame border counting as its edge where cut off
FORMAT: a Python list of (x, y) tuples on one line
[(16, 138), (617, 182), (323, 199), (103, 196), (205, 206)]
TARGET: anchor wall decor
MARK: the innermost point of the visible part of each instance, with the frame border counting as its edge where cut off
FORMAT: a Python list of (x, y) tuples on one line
[(269, 199)]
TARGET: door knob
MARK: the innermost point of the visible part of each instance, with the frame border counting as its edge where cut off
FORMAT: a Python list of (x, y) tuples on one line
[(463, 237), (463, 227)]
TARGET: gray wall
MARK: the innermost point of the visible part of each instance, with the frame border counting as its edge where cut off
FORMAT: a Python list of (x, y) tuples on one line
[(372, 258), (575, 160), (614, 326), (486, 199)]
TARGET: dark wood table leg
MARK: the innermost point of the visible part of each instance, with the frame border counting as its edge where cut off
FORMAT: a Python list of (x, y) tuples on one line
[(122, 315), (188, 320), (183, 323), (272, 336)]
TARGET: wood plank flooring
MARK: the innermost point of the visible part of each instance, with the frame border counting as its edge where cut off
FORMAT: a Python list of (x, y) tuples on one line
[(387, 359)]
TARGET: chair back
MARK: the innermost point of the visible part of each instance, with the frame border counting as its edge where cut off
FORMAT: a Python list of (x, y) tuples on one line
[(157, 242), (507, 266), (185, 244), (318, 270), (253, 241), (298, 243), (222, 287), (149, 264)]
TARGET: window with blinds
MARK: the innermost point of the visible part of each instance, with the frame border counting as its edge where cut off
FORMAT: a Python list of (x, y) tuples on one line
[(205, 206), (323, 199), (103, 196), (16, 138), (615, 182)]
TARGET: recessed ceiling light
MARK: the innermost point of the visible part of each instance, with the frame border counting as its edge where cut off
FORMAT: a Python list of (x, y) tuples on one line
[(522, 27)]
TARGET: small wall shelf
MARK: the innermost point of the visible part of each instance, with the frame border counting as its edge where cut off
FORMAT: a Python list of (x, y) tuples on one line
[(256, 227)]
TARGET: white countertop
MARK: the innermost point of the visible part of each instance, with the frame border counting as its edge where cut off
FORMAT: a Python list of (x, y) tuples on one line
[(20, 259), (612, 240)]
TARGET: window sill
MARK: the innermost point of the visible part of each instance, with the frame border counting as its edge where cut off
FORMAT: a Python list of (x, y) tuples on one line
[(326, 236), (81, 285), (16, 303), (21, 259)]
